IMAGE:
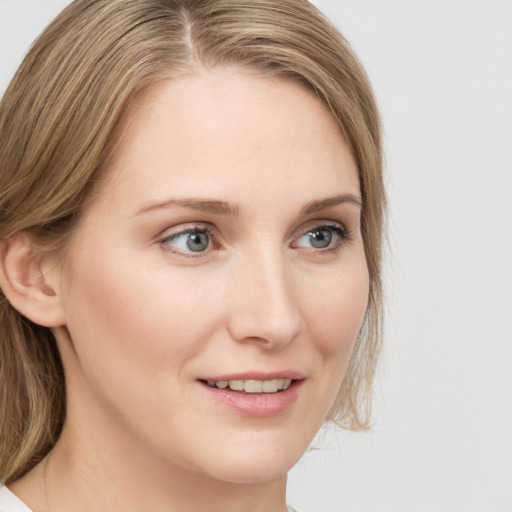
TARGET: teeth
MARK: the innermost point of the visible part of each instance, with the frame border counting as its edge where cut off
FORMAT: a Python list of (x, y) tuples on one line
[(236, 385), (286, 384), (253, 386), (269, 386)]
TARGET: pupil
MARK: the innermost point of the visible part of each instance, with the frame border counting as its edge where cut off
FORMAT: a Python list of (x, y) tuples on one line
[(321, 238), (197, 242)]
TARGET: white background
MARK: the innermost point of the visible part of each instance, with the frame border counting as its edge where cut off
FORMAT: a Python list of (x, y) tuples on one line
[(442, 440)]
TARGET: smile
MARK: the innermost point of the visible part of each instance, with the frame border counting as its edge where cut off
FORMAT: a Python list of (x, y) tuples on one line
[(255, 397), (251, 385)]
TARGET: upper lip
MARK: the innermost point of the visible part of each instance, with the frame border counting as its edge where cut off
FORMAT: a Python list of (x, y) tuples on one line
[(257, 375)]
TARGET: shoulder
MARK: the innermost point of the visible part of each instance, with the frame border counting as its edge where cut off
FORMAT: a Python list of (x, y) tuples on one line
[(10, 503)]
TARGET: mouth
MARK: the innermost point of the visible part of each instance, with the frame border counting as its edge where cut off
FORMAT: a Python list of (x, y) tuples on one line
[(251, 385), (256, 394)]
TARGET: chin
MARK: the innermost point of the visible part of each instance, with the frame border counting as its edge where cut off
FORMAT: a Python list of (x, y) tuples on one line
[(260, 461), (245, 473)]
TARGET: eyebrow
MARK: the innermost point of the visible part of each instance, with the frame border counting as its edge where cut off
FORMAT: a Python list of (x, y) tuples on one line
[(329, 202), (200, 205), (224, 208)]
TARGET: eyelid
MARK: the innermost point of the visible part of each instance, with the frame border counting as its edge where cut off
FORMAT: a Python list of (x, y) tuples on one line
[(343, 233), (318, 223), (180, 229), (183, 229)]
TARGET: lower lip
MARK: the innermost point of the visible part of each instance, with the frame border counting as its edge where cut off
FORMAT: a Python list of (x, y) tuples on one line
[(258, 405)]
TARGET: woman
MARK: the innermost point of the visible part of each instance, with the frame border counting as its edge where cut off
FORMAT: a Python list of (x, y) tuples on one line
[(191, 219)]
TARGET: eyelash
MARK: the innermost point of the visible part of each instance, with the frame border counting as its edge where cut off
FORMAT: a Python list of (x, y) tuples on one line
[(196, 229), (343, 234)]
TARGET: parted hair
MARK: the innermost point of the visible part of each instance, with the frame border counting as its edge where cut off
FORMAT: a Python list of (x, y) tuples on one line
[(62, 114)]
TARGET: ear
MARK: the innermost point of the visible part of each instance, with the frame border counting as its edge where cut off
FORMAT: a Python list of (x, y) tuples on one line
[(26, 282)]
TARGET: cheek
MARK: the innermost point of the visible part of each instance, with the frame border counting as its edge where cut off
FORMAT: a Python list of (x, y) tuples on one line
[(140, 316), (134, 333), (336, 311)]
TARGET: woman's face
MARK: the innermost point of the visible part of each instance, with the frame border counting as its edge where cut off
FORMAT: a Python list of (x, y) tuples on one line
[(217, 281)]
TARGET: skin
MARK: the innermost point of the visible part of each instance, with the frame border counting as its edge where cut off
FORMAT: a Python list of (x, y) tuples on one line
[(145, 317)]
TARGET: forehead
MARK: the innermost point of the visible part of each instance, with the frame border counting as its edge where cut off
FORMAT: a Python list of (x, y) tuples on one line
[(227, 132)]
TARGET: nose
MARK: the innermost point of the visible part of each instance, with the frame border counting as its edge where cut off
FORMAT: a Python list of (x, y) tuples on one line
[(264, 307)]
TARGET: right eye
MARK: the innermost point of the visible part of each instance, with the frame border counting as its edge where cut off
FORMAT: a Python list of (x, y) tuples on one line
[(195, 240)]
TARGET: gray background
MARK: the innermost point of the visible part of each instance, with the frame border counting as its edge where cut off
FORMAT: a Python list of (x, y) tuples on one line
[(442, 440)]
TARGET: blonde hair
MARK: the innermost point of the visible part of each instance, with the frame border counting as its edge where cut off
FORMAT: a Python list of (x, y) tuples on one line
[(60, 117)]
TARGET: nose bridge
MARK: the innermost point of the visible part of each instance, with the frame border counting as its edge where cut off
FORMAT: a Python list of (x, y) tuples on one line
[(265, 307)]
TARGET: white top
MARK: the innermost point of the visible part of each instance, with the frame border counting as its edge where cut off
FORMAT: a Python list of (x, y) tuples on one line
[(11, 503)]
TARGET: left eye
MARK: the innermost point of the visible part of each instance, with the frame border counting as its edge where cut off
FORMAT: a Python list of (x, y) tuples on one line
[(193, 240), (321, 237)]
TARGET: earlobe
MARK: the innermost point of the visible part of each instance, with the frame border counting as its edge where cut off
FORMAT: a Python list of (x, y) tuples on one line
[(26, 285)]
